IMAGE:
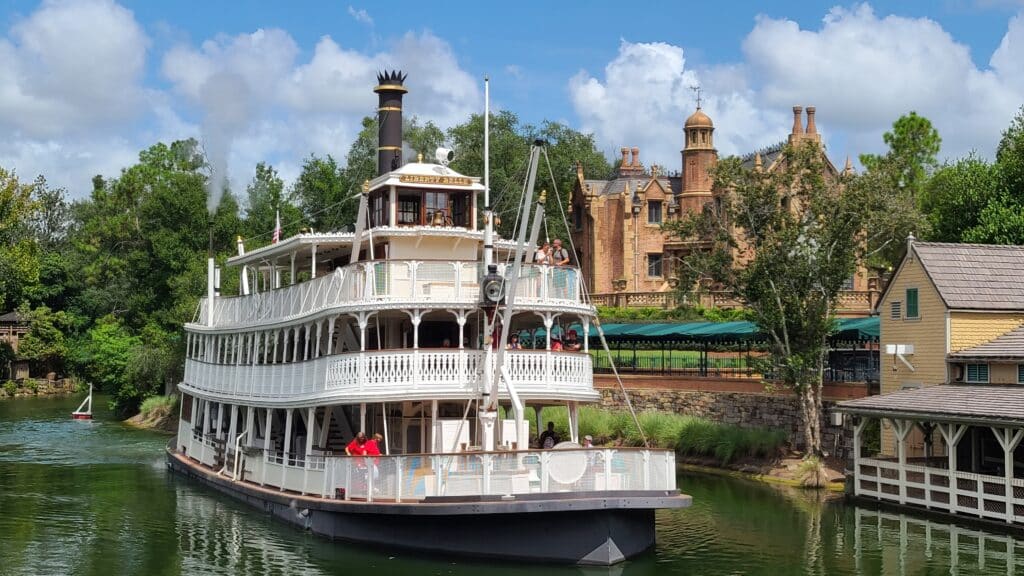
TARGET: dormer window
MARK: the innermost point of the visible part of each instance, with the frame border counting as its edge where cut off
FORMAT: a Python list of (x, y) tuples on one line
[(654, 212)]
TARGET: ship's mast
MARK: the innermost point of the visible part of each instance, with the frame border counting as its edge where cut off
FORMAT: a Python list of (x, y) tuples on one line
[(488, 212)]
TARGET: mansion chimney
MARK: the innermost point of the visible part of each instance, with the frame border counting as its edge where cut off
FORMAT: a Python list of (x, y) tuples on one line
[(811, 128), (636, 158), (625, 156), (390, 90), (798, 125)]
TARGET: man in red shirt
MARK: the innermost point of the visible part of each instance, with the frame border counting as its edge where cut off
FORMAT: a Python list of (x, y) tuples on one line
[(372, 447)]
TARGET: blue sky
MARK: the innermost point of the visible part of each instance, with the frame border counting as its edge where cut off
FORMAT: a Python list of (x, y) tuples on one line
[(90, 82)]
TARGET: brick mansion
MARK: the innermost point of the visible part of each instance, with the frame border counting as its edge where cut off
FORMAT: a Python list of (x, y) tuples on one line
[(625, 257)]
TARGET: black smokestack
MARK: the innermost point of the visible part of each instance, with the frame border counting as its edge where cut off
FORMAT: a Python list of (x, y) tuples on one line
[(389, 120)]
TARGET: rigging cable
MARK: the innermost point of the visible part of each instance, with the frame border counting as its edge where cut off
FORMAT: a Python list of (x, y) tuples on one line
[(597, 320)]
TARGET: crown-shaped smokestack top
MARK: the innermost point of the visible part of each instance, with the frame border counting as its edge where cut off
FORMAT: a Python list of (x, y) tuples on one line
[(394, 77), (390, 89)]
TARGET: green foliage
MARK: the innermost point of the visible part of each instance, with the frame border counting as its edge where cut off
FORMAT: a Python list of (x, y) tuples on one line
[(19, 265), (103, 355), (913, 146), (955, 197), (45, 344), (323, 192), (10, 387), (266, 198), (812, 472), (801, 229), (678, 314), (687, 435)]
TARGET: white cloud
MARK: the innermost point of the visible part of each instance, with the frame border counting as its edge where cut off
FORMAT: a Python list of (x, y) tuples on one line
[(360, 15), (71, 66), (260, 103), (860, 70)]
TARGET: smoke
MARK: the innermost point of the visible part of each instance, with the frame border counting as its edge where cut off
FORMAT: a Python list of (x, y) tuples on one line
[(227, 101)]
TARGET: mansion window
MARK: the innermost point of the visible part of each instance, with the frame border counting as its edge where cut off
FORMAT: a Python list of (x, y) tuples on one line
[(654, 265), (977, 373), (847, 284), (912, 307), (654, 212), (577, 217)]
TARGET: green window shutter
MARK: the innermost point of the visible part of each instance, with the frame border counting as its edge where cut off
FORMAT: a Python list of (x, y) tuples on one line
[(977, 373), (1020, 373), (912, 309)]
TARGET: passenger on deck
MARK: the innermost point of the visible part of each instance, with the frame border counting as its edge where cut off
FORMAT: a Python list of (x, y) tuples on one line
[(572, 343), (357, 447), (549, 438), (513, 343), (556, 345)]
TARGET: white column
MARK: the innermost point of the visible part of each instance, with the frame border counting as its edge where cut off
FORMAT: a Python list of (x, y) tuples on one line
[(574, 422), (549, 322), (289, 414), (951, 434), (310, 421), (417, 316), (362, 418), (325, 427), (319, 336), (586, 333), (220, 420), (295, 345), (250, 416), (1009, 439), (291, 270), (858, 428), (433, 426), (384, 418), (902, 428), (330, 335), (232, 428), (312, 262)]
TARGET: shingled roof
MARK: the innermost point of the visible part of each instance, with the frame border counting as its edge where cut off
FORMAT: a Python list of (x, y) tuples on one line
[(986, 403), (1007, 346), (975, 276)]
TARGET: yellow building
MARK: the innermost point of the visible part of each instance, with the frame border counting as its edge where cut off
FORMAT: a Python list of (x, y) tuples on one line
[(952, 402)]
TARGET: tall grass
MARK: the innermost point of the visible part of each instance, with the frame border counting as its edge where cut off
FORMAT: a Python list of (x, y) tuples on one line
[(159, 404), (687, 435)]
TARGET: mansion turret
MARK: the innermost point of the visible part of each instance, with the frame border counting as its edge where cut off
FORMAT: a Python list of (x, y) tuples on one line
[(617, 223)]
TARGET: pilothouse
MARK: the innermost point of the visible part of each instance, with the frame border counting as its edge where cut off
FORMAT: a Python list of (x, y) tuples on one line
[(402, 328)]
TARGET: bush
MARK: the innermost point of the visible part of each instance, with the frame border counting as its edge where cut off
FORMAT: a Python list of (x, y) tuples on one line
[(10, 387)]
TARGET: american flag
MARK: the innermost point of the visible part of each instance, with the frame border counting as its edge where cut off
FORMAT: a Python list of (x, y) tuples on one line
[(277, 228)]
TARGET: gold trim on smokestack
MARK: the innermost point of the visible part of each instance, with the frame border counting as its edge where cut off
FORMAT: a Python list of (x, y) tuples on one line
[(395, 87)]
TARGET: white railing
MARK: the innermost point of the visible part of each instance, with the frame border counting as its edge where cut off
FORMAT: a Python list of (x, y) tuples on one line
[(381, 374), (449, 282), (547, 285), (417, 477), (936, 488)]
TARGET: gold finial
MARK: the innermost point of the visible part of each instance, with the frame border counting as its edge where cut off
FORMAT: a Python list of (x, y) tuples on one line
[(419, 158), (543, 197), (366, 186)]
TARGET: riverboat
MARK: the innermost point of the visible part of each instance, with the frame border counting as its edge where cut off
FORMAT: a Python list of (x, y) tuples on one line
[(401, 327)]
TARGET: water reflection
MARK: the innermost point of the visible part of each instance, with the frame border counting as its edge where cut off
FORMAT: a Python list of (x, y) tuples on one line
[(908, 544), (97, 499)]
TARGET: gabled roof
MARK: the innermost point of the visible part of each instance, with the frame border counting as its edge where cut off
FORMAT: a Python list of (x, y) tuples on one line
[(982, 403), (1008, 346), (974, 276), (11, 318)]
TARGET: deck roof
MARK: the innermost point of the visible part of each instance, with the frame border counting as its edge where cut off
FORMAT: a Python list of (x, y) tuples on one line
[(981, 403)]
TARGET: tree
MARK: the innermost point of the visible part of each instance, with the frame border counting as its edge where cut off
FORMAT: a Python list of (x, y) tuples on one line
[(19, 265), (974, 201), (784, 242), (423, 139), (955, 197), (44, 345), (266, 200), (896, 181), (913, 146), (103, 356), (324, 194)]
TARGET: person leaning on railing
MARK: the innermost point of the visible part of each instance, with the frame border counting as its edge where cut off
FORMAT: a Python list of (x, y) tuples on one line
[(559, 257)]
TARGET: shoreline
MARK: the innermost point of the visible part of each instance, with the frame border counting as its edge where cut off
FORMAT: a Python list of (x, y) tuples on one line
[(715, 470)]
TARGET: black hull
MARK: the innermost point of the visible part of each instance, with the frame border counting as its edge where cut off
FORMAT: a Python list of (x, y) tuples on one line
[(596, 529)]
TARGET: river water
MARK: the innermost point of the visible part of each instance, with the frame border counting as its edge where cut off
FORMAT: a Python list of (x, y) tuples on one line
[(95, 498)]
